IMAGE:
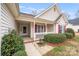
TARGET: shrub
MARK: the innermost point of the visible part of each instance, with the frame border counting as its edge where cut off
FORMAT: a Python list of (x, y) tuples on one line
[(54, 38), (20, 53), (69, 30), (69, 35), (11, 43)]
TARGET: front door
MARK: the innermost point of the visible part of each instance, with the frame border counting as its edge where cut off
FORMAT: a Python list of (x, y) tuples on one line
[(24, 30)]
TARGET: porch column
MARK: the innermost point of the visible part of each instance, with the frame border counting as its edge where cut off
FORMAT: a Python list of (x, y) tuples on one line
[(34, 29), (31, 29), (46, 28), (62, 29), (56, 28)]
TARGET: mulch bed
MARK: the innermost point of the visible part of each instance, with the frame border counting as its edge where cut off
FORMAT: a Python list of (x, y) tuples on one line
[(57, 44), (54, 44)]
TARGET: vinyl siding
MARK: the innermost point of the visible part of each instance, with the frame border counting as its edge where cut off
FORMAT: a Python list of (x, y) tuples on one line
[(7, 21), (50, 14), (61, 22)]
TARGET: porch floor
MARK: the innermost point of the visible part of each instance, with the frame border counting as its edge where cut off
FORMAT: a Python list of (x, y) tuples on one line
[(28, 40)]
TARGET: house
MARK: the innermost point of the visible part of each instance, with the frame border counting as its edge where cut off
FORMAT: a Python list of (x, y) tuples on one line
[(74, 24), (51, 20)]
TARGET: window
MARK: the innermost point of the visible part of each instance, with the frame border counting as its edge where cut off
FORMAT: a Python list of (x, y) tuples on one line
[(24, 29), (35, 28), (39, 28)]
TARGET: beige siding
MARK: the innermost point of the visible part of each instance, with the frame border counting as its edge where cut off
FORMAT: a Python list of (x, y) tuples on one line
[(7, 20), (50, 14), (61, 21), (50, 28)]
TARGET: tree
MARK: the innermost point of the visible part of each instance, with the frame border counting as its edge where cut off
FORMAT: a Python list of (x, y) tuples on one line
[(34, 12), (66, 14)]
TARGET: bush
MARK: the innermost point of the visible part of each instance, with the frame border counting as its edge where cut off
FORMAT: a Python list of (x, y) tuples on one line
[(20, 53), (54, 38), (69, 35), (11, 43), (69, 30)]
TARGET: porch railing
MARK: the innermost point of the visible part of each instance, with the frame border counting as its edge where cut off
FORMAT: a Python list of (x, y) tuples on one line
[(41, 35)]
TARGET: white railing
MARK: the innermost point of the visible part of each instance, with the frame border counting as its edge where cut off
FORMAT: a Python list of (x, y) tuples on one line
[(41, 35), (45, 33)]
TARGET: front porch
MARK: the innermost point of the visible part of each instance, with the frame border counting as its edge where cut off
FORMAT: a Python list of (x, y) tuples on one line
[(34, 30)]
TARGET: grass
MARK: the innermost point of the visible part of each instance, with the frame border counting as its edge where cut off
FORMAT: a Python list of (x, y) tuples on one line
[(57, 50), (77, 38), (63, 51), (67, 49)]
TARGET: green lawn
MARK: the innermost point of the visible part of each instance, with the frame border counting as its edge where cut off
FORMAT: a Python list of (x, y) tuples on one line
[(63, 51), (77, 38), (66, 50)]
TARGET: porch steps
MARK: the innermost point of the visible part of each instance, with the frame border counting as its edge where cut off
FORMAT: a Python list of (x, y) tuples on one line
[(29, 40)]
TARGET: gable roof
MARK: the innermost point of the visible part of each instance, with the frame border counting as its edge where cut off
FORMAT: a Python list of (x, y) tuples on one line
[(74, 21), (52, 6), (62, 15)]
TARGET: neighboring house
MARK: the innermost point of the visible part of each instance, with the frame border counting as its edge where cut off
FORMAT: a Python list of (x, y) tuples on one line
[(49, 21), (74, 24)]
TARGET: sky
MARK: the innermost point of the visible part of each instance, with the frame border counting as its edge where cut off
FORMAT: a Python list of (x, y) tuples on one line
[(67, 8)]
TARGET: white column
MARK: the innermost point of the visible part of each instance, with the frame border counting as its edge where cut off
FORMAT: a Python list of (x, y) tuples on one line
[(46, 27), (55, 28), (31, 30), (62, 29), (34, 29)]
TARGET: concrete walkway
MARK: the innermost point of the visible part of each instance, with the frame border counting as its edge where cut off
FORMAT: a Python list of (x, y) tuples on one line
[(43, 49), (31, 49)]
